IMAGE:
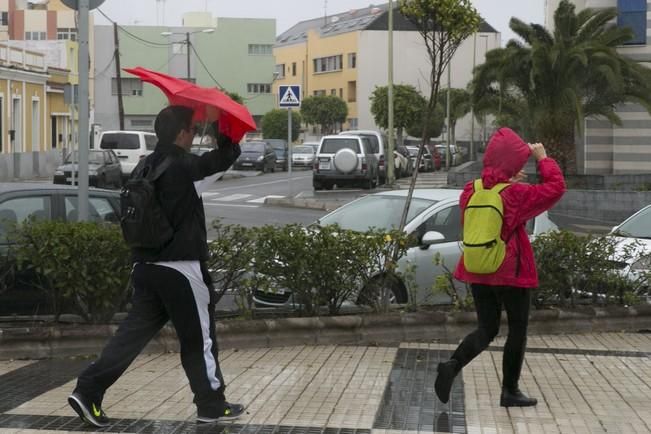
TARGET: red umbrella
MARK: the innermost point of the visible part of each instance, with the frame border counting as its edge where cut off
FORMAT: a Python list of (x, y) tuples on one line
[(209, 104)]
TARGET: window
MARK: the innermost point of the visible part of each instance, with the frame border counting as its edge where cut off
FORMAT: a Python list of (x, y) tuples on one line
[(4, 19), (352, 123), (130, 87), (341, 93), (43, 36), (260, 49), (333, 92), (141, 123), (99, 210), (352, 91), (67, 33), (36, 125), (446, 221), (352, 60), (280, 71), (632, 14), (258, 88), (319, 93), (294, 69), (28, 36), (20, 209), (327, 64), (150, 142)]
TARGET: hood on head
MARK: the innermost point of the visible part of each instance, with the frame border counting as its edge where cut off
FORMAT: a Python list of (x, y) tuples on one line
[(506, 154)]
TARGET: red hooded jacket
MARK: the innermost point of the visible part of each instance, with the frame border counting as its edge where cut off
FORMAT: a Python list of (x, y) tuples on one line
[(505, 156)]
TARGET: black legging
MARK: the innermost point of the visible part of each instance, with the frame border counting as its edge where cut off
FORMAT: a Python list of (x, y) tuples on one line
[(488, 302)]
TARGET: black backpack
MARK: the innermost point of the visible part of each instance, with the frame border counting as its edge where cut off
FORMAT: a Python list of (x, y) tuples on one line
[(144, 224)]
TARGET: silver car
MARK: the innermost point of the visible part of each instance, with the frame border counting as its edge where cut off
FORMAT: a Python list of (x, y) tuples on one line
[(434, 220), (303, 156)]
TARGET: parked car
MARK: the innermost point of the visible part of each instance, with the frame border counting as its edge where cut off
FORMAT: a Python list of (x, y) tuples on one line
[(635, 233), (280, 148), (410, 164), (20, 201), (433, 226), (129, 146), (455, 155), (426, 162), (104, 169), (378, 146), (303, 156), (345, 161), (401, 164), (256, 155)]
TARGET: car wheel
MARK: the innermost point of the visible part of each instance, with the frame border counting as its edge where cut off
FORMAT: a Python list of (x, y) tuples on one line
[(317, 185), (328, 186), (376, 182), (273, 169), (371, 294)]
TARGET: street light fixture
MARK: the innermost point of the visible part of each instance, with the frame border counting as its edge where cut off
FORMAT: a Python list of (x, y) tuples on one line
[(188, 43)]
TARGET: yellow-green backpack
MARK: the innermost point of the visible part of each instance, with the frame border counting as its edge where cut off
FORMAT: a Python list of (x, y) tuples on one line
[(484, 250)]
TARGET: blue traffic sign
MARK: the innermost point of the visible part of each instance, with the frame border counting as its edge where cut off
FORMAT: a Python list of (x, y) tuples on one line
[(289, 96)]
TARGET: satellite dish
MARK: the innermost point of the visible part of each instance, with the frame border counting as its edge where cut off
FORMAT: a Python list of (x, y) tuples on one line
[(74, 4)]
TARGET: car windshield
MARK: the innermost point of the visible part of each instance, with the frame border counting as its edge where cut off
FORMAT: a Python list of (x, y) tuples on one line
[(256, 147), (280, 152), (303, 150), (638, 226), (332, 146), (120, 141), (93, 157), (413, 152), (375, 211)]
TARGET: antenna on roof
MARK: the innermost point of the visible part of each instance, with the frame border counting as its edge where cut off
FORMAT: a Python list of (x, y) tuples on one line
[(325, 12)]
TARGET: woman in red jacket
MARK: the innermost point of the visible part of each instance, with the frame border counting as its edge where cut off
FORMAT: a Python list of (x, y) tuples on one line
[(511, 284)]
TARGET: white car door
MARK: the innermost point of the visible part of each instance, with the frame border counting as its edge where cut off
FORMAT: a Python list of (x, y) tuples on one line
[(447, 221)]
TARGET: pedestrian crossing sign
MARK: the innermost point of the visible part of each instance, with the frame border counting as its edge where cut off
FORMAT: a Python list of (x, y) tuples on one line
[(290, 96)]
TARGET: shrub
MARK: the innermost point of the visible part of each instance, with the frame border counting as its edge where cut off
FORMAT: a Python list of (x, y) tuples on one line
[(575, 269), (85, 264)]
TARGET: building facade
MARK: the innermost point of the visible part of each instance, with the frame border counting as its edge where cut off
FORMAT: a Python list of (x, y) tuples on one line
[(606, 148), (347, 55), (236, 56)]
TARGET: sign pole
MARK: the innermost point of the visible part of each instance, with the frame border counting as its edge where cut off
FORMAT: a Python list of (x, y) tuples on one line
[(289, 148)]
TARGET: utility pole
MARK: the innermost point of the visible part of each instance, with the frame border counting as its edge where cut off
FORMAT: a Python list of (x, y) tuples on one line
[(84, 107), (118, 74), (472, 102), (187, 49), (390, 175), (449, 129)]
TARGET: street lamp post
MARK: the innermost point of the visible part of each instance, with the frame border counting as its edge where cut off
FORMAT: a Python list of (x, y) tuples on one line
[(188, 44)]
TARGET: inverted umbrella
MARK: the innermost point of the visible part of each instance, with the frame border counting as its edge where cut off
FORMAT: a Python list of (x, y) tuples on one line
[(209, 104)]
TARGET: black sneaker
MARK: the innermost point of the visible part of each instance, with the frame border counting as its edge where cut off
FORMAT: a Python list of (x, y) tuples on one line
[(443, 384), (515, 398), (230, 412), (87, 410)]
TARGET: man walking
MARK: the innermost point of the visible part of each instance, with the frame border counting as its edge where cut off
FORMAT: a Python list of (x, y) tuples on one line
[(172, 282), (510, 285)]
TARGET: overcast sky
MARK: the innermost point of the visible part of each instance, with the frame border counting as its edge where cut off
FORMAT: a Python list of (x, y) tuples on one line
[(288, 12)]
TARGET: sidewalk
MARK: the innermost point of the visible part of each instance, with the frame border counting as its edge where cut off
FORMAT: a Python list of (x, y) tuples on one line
[(594, 383)]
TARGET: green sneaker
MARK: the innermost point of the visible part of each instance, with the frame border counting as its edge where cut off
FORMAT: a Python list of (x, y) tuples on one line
[(88, 411)]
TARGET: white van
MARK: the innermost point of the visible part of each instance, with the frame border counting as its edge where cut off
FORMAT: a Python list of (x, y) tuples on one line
[(378, 142), (129, 146)]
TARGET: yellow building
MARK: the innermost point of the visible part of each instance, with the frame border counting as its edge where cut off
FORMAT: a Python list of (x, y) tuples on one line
[(321, 55), (23, 100)]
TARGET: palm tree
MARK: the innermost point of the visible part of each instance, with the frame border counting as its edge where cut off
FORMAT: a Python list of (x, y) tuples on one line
[(547, 84)]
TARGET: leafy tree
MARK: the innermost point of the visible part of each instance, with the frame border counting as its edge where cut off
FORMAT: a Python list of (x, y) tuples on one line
[(235, 97), (408, 105), (443, 25), (548, 83), (326, 110), (435, 126), (274, 124)]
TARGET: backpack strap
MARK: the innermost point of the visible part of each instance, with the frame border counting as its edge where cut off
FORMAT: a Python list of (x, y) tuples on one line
[(498, 188), (478, 185), (160, 169)]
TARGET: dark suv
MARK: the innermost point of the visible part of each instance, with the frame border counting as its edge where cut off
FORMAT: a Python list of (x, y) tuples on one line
[(345, 161)]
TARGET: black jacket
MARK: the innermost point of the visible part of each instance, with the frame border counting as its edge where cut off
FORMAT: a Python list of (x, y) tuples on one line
[(180, 202)]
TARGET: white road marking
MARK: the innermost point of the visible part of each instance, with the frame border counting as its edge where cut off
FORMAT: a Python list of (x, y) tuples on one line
[(210, 195), (231, 205), (232, 197), (280, 181), (262, 199)]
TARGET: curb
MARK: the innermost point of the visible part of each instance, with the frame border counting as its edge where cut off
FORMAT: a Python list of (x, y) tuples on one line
[(382, 329)]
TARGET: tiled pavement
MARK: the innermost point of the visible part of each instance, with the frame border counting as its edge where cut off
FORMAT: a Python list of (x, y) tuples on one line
[(599, 383)]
